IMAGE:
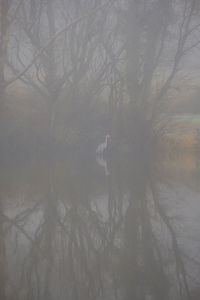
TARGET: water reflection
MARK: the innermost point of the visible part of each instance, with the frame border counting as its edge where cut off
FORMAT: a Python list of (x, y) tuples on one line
[(67, 231), (103, 163)]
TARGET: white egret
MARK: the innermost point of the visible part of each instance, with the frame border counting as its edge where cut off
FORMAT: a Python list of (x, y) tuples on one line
[(101, 148)]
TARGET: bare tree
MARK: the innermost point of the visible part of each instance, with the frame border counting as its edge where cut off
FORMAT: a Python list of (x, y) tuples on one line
[(57, 46), (154, 36), (8, 13)]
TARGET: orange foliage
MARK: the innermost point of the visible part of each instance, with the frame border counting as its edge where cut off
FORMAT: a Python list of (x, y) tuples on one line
[(182, 141), (188, 141)]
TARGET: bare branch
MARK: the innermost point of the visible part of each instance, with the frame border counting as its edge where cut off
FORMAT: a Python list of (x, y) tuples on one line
[(51, 40), (15, 11)]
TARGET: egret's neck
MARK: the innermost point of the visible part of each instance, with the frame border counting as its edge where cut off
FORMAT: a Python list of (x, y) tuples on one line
[(106, 140)]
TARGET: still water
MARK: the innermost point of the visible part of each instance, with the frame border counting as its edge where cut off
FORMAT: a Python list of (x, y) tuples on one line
[(80, 229)]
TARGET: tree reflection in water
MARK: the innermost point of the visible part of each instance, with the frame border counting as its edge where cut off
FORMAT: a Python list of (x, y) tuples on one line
[(67, 231)]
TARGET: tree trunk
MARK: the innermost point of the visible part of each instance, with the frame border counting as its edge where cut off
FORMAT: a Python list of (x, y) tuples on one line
[(4, 24)]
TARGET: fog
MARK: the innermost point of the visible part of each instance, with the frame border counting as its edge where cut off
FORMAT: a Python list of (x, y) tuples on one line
[(99, 149)]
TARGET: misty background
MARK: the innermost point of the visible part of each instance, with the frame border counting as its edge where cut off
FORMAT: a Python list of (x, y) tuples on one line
[(99, 149)]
